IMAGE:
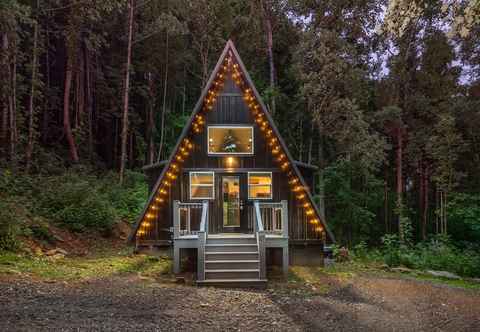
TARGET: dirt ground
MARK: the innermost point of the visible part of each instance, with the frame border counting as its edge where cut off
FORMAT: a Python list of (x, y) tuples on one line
[(130, 302)]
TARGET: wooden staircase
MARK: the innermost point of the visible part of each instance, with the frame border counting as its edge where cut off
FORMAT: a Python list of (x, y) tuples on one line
[(232, 261)]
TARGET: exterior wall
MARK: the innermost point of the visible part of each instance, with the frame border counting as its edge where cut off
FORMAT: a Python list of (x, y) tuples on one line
[(230, 109)]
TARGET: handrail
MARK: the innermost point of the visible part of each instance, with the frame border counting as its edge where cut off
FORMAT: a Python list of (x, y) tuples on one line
[(202, 240), (204, 222), (260, 234), (258, 219)]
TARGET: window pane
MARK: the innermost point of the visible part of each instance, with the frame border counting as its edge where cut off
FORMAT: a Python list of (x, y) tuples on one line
[(260, 178), (260, 191), (201, 178), (201, 192), (230, 140)]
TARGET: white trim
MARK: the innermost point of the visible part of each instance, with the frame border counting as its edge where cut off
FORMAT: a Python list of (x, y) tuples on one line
[(275, 221), (237, 176), (259, 185), (201, 185), (231, 153)]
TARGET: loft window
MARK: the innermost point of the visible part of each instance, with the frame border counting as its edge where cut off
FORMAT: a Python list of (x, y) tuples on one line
[(259, 185), (230, 140), (202, 185)]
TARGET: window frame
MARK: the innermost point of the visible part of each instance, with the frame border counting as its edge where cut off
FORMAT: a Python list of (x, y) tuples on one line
[(190, 174), (231, 153), (259, 185)]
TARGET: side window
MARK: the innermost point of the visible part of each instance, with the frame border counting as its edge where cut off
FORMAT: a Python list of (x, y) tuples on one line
[(260, 185), (202, 185)]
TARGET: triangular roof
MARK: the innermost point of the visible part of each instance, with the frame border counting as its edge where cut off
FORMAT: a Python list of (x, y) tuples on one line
[(229, 61)]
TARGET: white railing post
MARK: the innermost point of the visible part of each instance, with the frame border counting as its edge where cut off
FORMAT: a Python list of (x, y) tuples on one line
[(261, 241), (176, 219), (202, 239), (285, 218)]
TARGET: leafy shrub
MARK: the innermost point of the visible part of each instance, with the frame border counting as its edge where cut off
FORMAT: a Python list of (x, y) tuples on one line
[(360, 251), (82, 201), (77, 202), (391, 249), (40, 231), (129, 199), (464, 217), (437, 254), (9, 228)]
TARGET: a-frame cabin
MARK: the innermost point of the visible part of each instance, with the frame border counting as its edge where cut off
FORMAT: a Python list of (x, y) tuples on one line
[(230, 188)]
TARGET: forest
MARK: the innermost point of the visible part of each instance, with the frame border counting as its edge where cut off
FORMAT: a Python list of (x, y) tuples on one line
[(383, 96)]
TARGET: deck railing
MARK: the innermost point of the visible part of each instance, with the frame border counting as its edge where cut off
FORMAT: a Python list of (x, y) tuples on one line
[(274, 217), (187, 218)]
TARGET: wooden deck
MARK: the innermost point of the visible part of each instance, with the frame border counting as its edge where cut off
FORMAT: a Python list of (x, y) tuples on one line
[(230, 259)]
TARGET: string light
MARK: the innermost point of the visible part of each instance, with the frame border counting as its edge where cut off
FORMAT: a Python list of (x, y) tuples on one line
[(199, 121)]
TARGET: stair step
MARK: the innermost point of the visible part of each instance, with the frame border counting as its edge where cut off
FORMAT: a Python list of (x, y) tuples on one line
[(232, 240), (231, 264), (234, 261), (231, 244), (234, 283), (231, 247), (215, 274), (233, 271), (231, 252), (231, 255)]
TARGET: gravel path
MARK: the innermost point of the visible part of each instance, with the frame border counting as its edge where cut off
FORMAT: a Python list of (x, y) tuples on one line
[(129, 303)]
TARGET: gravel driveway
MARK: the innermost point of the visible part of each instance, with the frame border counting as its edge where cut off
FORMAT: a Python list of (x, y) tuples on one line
[(130, 303)]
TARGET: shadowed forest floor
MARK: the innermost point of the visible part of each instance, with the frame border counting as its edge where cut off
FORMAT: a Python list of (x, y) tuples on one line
[(119, 292)]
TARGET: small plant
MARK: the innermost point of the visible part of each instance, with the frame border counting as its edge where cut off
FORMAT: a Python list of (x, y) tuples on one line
[(40, 231), (391, 248), (9, 228), (361, 250)]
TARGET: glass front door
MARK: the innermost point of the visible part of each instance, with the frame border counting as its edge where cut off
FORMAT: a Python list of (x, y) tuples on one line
[(231, 202)]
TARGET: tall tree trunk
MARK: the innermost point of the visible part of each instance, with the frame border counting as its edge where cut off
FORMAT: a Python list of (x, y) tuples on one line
[(13, 107), (151, 121), (67, 128), (88, 100), (165, 83), (267, 16), (300, 130), (385, 201), (310, 143), (123, 158), (399, 176), (5, 87), (321, 180), (131, 150), (425, 203), (184, 98), (80, 86), (31, 107), (46, 109)]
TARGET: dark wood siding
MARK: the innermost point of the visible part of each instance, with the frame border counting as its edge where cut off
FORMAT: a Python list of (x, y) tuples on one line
[(230, 109)]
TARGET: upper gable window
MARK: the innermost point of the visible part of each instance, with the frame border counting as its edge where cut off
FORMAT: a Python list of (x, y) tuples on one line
[(230, 140)]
